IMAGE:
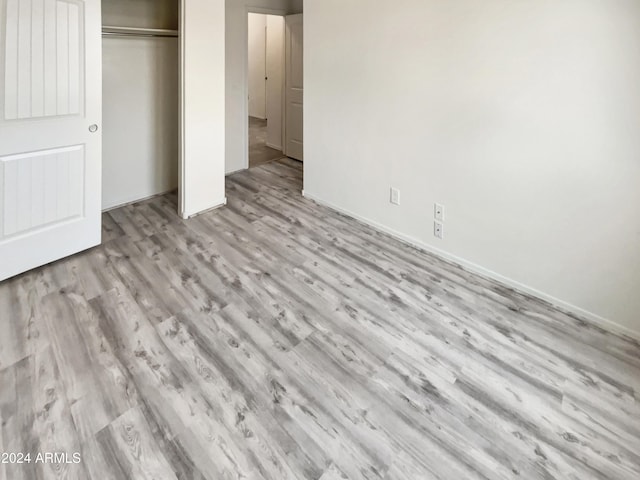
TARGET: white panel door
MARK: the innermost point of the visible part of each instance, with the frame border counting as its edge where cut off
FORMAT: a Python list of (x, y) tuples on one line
[(294, 87), (50, 142)]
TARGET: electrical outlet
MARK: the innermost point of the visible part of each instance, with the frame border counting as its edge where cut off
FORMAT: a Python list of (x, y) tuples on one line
[(438, 230), (395, 196), (438, 212)]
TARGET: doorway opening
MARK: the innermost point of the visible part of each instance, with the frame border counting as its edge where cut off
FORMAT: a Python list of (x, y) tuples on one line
[(265, 54), (274, 108)]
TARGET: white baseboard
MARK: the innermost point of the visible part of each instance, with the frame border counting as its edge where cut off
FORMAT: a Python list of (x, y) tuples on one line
[(602, 322), (275, 147), (235, 171), (137, 200), (188, 215)]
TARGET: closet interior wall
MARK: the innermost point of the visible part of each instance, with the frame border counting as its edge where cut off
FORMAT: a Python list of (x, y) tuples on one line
[(140, 102)]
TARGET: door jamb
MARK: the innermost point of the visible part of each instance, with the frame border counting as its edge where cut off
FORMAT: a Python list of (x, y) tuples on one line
[(181, 96)]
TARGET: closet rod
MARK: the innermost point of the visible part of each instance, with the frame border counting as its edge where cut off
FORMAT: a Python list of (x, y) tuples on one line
[(138, 32), (142, 35)]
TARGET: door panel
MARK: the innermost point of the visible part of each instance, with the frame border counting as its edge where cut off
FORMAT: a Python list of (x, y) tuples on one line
[(43, 58), (42, 189), (294, 91), (50, 163)]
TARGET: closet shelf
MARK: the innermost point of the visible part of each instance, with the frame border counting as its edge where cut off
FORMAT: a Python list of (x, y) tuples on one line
[(138, 32)]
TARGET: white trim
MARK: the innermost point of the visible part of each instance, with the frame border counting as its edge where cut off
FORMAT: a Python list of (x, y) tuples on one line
[(602, 322), (283, 101), (275, 147), (137, 200), (235, 171), (245, 74), (219, 204), (181, 133)]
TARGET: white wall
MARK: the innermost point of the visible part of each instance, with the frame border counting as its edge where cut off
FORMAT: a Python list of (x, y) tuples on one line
[(141, 13), (203, 105), (275, 84), (139, 118), (522, 118), (236, 67), (296, 6), (257, 43)]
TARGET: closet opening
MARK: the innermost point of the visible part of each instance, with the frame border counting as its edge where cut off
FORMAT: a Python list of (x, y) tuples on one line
[(140, 47)]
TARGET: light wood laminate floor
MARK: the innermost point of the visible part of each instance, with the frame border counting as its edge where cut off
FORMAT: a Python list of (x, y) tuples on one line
[(277, 339), (259, 152)]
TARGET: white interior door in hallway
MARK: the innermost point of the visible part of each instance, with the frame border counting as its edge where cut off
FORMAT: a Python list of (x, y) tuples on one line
[(294, 87), (50, 138)]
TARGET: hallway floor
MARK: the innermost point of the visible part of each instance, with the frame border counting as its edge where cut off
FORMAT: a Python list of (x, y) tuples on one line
[(259, 153)]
